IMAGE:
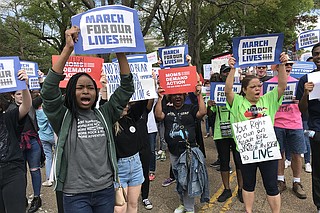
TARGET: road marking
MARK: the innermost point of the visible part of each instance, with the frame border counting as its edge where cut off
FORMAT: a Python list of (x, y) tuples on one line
[(214, 198), (226, 206)]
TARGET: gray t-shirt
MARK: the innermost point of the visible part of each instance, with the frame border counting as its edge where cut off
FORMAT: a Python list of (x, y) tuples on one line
[(89, 166)]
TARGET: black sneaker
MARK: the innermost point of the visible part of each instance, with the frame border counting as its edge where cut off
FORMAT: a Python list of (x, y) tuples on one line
[(36, 203), (239, 195), (225, 195), (215, 164), (147, 204)]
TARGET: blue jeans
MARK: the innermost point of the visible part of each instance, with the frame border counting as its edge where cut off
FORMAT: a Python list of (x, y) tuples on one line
[(48, 147), (92, 202), (152, 141), (33, 158), (187, 201)]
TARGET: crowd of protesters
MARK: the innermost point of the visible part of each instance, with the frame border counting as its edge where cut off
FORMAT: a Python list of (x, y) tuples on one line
[(122, 149)]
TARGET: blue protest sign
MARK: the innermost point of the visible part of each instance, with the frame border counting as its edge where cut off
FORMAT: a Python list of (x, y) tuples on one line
[(9, 67), (217, 93), (30, 67), (107, 29), (174, 56), (288, 94), (34, 83), (301, 68), (257, 50), (308, 39)]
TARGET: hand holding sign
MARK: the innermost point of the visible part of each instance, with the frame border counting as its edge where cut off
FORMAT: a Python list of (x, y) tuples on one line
[(72, 36), (22, 76), (231, 62)]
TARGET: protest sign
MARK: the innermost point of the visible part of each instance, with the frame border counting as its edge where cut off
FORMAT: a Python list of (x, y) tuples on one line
[(288, 94), (152, 57), (9, 67), (305, 56), (34, 83), (300, 68), (257, 50), (308, 39), (174, 56), (256, 140), (30, 67), (77, 64), (207, 71), (217, 92), (107, 29), (178, 80), (144, 84), (315, 78)]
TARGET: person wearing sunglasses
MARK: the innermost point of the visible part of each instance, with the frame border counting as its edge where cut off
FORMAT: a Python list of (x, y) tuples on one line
[(289, 131), (267, 105), (261, 73)]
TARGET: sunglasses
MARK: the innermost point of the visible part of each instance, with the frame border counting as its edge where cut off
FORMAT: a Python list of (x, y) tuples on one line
[(260, 68), (289, 64)]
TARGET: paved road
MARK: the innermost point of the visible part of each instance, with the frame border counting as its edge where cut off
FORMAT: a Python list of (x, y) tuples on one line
[(165, 199)]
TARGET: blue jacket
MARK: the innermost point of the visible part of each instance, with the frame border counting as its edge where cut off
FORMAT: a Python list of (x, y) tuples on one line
[(195, 178)]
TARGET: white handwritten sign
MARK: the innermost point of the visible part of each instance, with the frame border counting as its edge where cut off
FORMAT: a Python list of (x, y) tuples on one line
[(256, 140), (144, 85)]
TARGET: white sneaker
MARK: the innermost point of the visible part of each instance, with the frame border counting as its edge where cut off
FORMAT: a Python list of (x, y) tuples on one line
[(47, 183), (287, 164), (308, 168), (180, 209)]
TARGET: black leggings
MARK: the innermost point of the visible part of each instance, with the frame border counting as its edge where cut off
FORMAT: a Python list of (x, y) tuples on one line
[(145, 156), (224, 146), (12, 189), (269, 173)]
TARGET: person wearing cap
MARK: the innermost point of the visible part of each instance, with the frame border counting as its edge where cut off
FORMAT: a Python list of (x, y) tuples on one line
[(289, 131), (261, 73), (224, 142), (305, 87)]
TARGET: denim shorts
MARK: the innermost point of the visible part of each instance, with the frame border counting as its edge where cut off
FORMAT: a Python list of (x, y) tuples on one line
[(291, 138), (130, 171)]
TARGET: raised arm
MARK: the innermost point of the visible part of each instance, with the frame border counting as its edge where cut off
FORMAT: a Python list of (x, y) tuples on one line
[(71, 37), (228, 89), (282, 75), (202, 106), (26, 97), (123, 63), (158, 108)]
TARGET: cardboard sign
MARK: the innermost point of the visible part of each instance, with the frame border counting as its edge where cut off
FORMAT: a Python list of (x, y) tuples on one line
[(178, 80), (9, 67), (217, 92), (207, 71), (152, 57), (30, 67), (76, 64), (144, 84), (300, 68), (174, 56), (107, 29), (217, 63), (257, 50), (288, 94), (256, 140), (308, 39)]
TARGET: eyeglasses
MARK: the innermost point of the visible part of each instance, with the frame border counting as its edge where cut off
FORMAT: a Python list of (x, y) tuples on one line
[(260, 68)]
